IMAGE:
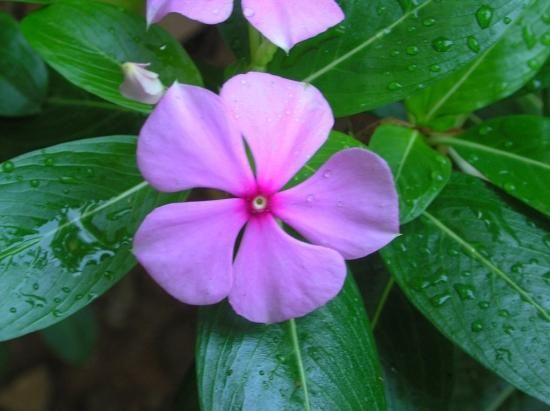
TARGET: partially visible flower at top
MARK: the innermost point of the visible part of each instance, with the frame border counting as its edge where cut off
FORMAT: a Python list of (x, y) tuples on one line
[(283, 22), (194, 138), (141, 84)]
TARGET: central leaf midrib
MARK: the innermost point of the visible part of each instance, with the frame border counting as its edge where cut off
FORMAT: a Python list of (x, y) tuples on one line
[(299, 363), (378, 35), (489, 149), (476, 255)]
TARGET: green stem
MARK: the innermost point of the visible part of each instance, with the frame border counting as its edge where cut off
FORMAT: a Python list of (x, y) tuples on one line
[(501, 399), (87, 103), (300, 362), (382, 303), (261, 50)]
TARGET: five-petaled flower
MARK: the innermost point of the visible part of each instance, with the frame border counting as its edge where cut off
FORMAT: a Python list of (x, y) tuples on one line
[(194, 138), (283, 22)]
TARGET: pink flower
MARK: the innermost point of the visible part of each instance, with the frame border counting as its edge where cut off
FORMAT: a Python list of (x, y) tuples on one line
[(283, 22), (194, 138)]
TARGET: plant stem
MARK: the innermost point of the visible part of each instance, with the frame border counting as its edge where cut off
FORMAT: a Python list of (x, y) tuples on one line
[(261, 50)]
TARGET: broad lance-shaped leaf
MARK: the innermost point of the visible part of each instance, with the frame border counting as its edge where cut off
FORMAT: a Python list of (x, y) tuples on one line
[(478, 270), (499, 70), (382, 53), (419, 172), (428, 372), (68, 113), (325, 360), (87, 42), (511, 152), (23, 75), (67, 217)]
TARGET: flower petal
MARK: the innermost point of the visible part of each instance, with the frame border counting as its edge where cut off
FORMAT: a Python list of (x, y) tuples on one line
[(205, 11), (349, 204), (189, 141), (287, 22), (278, 277), (188, 248), (283, 121)]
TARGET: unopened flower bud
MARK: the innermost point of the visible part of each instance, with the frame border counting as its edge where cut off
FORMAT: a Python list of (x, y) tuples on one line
[(141, 84)]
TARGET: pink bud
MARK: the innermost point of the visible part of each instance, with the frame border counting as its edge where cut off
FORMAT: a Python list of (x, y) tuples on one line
[(141, 84)]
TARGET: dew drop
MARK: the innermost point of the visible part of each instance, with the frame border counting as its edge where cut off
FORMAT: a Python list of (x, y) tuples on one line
[(48, 161), (509, 187), (310, 198), (464, 291), (428, 22), (484, 15), (508, 329), (394, 85), (395, 53), (440, 299), (13, 310), (442, 44), (533, 64), (477, 326), (547, 278), (327, 174), (248, 12), (435, 68), (529, 37), (35, 183), (412, 50), (484, 130), (503, 354), (545, 39), (507, 20), (504, 313), (483, 305), (8, 167), (473, 44), (412, 67), (339, 204)]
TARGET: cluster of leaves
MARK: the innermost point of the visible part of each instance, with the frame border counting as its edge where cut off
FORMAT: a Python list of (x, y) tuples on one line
[(469, 274)]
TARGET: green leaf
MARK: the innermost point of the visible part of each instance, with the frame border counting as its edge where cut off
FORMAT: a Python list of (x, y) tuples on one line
[(420, 173), (23, 75), (326, 360), (73, 339), (67, 217), (336, 141), (478, 270), (382, 53), (511, 152), (87, 42), (498, 72), (69, 113), (418, 374)]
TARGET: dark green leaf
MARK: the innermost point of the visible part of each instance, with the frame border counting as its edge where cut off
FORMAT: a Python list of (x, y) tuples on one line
[(511, 152), (382, 53), (325, 360), (73, 338), (87, 42), (498, 71), (23, 75), (67, 216), (69, 113), (478, 270), (419, 172), (418, 374)]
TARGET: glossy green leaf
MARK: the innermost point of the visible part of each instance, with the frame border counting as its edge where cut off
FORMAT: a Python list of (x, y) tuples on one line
[(326, 360), (419, 172), (511, 152), (418, 374), (337, 141), (23, 75), (478, 270), (73, 339), (68, 113), (87, 42), (67, 216), (382, 53), (499, 70)]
